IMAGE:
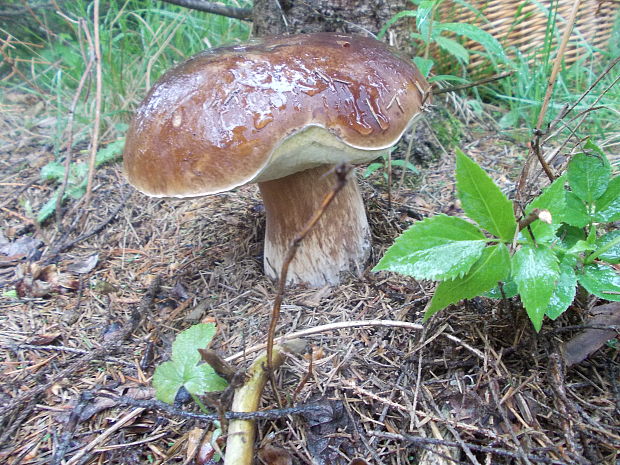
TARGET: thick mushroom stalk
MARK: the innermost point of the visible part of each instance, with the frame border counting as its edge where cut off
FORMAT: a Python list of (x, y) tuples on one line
[(339, 242)]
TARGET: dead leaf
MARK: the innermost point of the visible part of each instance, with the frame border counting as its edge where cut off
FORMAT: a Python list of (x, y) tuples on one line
[(34, 280), (272, 455), (43, 339), (590, 340), (84, 266), (26, 247), (327, 430)]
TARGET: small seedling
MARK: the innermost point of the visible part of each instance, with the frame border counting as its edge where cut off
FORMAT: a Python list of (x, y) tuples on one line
[(78, 176), (384, 164), (184, 369), (541, 260)]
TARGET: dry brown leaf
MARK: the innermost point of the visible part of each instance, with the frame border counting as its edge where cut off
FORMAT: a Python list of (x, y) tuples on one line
[(590, 340), (272, 455)]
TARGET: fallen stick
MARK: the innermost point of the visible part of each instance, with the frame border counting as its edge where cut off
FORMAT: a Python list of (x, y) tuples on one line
[(241, 433)]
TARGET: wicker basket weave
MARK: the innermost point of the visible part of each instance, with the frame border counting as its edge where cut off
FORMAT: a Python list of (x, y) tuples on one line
[(522, 25)]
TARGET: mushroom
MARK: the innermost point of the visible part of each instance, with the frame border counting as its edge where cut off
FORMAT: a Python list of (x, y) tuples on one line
[(282, 112)]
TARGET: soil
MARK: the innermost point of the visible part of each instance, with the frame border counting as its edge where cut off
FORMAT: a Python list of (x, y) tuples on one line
[(90, 308)]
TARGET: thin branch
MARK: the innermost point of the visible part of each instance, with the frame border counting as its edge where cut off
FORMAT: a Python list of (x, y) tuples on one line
[(94, 144), (421, 441), (69, 153), (536, 214), (481, 82), (157, 405), (216, 8), (557, 62), (527, 167), (352, 324), (341, 172)]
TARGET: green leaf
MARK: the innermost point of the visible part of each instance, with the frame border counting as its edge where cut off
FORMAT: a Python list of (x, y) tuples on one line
[(553, 199), (53, 171), (610, 243), (576, 213), (482, 200), (476, 34), (440, 247), (424, 65), (167, 380), (570, 235), (449, 77), (543, 233), (202, 378), (601, 280), (453, 48), (509, 287), (509, 120), (183, 369), (579, 247), (492, 267), (47, 209), (405, 165), (564, 291), (608, 205), (588, 176), (393, 19), (185, 346), (424, 16), (372, 168), (535, 270), (109, 153)]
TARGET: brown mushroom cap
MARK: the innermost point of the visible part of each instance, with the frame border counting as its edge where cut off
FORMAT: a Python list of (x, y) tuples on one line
[(227, 116)]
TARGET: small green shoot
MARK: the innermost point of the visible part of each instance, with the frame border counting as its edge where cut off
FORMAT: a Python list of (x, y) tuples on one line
[(78, 176), (184, 369), (383, 164), (549, 258)]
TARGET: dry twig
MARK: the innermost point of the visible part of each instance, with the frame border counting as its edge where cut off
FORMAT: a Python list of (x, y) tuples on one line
[(341, 171), (94, 143)]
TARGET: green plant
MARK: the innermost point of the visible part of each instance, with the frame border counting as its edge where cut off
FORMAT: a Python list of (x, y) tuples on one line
[(521, 94), (560, 242), (431, 31), (385, 162), (184, 369), (78, 177)]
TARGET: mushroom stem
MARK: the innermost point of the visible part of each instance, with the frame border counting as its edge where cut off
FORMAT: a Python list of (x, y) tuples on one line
[(339, 242)]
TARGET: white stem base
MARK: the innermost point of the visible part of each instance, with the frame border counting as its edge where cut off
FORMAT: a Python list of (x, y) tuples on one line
[(339, 242)]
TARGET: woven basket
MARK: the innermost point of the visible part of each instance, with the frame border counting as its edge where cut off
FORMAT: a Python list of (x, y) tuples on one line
[(522, 25)]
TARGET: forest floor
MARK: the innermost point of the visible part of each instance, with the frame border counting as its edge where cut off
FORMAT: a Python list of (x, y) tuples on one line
[(89, 311)]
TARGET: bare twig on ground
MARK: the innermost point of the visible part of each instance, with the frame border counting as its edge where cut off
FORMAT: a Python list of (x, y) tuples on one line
[(11, 416), (67, 435), (158, 406), (421, 441), (63, 247), (341, 171), (352, 324), (216, 8), (120, 423)]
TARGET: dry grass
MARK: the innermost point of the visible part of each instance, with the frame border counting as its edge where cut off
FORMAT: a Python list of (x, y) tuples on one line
[(490, 390)]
